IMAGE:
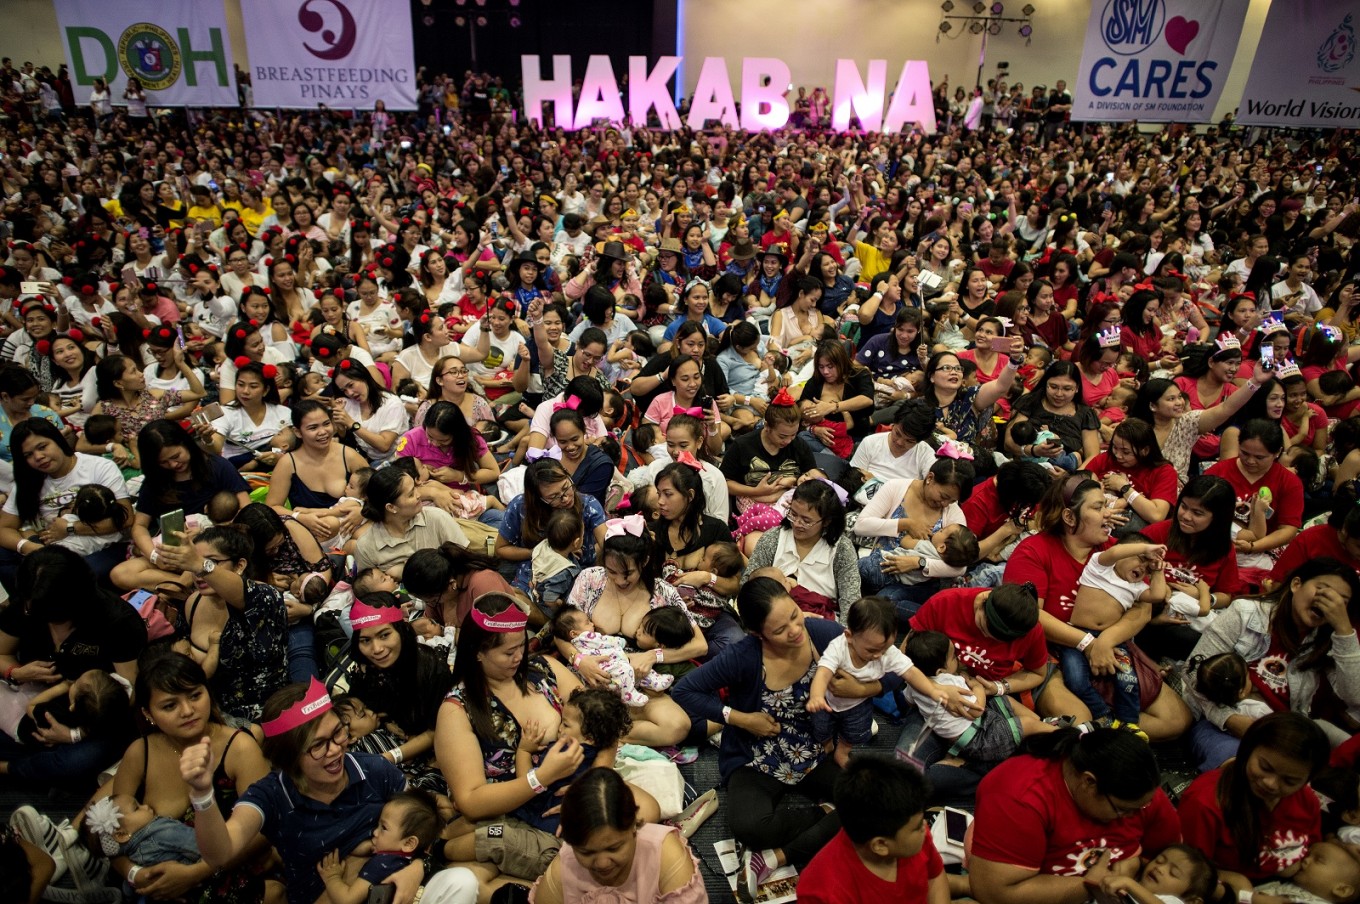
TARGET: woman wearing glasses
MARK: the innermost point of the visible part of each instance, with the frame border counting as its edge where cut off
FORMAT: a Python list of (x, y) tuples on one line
[(962, 414), (172, 692), (547, 486), (237, 626), (317, 799), (813, 549), (1090, 802)]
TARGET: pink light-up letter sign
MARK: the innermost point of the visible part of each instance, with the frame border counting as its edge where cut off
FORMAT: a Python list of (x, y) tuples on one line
[(648, 89), (555, 90), (599, 94), (764, 81), (713, 96)]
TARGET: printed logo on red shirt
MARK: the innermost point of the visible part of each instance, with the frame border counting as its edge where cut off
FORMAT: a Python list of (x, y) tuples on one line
[(974, 658), (1085, 857), (1284, 849)]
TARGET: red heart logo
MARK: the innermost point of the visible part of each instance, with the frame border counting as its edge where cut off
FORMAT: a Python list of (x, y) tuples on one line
[(1180, 32)]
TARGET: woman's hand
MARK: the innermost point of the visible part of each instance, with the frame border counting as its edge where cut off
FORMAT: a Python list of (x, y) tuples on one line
[(407, 880), (762, 725), (1245, 541), (52, 533), (561, 760), (53, 733), (911, 527), (953, 699), (1115, 483), (900, 564), (824, 435), (178, 559), (590, 672), (1100, 655), (37, 672), (168, 881), (195, 767), (1327, 603), (323, 527), (1050, 449)]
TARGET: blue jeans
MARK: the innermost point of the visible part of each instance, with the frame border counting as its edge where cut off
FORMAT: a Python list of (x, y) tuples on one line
[(834, 466), (907, 598), (1211, 746), (722, 634), (302, 652), (1076, 671), (492, 518), (855, 725), (69, 765), (946, 786)]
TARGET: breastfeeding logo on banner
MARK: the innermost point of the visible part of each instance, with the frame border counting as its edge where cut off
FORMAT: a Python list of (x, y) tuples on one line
[(177, 51), (1156, 60), (344, 54), (1305, 72)]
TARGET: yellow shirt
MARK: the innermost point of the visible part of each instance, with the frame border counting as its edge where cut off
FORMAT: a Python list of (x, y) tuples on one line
[(177, 221), (210, 214), (874, 261), (252, 220)]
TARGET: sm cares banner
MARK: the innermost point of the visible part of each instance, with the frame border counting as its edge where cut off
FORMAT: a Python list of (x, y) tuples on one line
[(1305, 72), (177, 51), (345, 54), (1157, 60)]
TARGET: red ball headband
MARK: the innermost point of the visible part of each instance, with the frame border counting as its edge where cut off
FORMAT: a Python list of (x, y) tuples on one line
[(346, 365), (240, 361), (240, 333), (323, 352), (269, 371)]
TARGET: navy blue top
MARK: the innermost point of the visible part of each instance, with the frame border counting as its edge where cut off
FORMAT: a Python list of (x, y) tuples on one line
[(191, 495), (304, 830), (741, 670)]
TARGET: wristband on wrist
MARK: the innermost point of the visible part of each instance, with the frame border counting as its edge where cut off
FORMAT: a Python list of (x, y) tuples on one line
[(108, 447), (9, 674), (19, 548), (534, 783), (1252, 386), (1085, 642), (76, 735), (576, 661), (660, 656), (1244, 896), (727, 715), (397, 755), (205, 802), (1132, 496), (132, 874)]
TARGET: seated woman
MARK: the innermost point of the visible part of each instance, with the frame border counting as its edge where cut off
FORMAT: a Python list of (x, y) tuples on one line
[(655, 377), (835, 403), (123, 394), (62, 625), (177, 474), (253, 431), (894, 356), (749, 375), (1134, 470), (1292, 639), (309, 481), (761, 466), (1055, 406), (686, 398), (400, 524), (600, 813), (1269, 510), (964, 414), (456, 455), (172, 692), (1038, 812), (812, 548), (1267, 404), (1000, 507), (367, 413), (499, 689), (47, 477), (616, 595), (547, 486), (1337, 538), (447, 579), (1072, 525), (582, 395), (768, 747), (317, 799), (1255, 816), (904, 512), (236, 625), (590, 468), (685, 434)]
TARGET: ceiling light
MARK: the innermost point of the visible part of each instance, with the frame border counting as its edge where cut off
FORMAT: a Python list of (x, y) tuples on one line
[(947, 6), (994, 28), (997, 9), (979, 7), (514, 22), (945, 27), (976, 28), (1027, 10), (1026, 31)]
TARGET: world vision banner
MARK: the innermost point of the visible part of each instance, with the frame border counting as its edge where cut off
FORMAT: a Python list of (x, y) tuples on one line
[(178, 51), (1305, 72), (1157, 60), (345, 54)]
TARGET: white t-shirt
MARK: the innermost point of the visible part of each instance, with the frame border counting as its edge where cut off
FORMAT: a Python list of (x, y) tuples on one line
[(179, 382), (416, 365), (83, 316), (502, 353), (875, 456), (1307, 302), (82, 393), (242, 435), (355, 353), (213, 316), (1104, 577), (383, 316), (837, 656), (391, 417), (542, 420), (716, 501), (59, 492), (938, 719)]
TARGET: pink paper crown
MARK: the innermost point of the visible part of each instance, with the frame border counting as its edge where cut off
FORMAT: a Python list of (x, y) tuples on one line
[(362, 615), (1110, 338), (1286, 369), (313, 704), (510, 621), (1227, 342), (1274, 323)]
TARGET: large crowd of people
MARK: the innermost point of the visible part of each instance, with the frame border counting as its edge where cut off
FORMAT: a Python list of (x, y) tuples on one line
[(395, 499)]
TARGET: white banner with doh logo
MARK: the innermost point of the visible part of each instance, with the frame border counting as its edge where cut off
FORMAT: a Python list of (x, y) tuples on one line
[(1156, 60), (343, 54), (178, 52), (1305, 72)]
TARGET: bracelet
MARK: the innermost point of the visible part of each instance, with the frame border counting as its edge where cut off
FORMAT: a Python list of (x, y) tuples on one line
[(9, 674), (1085, 642), (154, 558), (1244, 896), (76, 735), (660, 656), (1252, 386), (537, 786), (727, 715), (108, 447), (1132, 496), (206, 802), (132, 875), (1005, 686), (397, 756), (20, 550), (576, 661)]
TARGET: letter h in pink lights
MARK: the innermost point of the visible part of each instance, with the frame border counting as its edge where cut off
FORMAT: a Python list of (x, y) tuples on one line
[(555, 90)]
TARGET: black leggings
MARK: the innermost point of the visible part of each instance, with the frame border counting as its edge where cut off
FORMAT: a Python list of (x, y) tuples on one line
[(759, 822)]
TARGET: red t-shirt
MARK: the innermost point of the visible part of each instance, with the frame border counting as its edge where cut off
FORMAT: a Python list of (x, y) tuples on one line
[(837, 875), (1314, 543), (1190, 386), (1315, 423), (1095, 394), (1220, 574), (1286, 493), (1044, 561), (1313, 371), (1026, 817), (1156, 482), (1053, 331), (1149, 346), (951, 613), (1062, 297), (1288, 830), (984, 376), (982, 511)]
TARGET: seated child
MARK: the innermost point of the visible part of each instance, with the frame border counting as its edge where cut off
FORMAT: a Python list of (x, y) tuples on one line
[(1225, 679), (1111, 584), (866, 652), (126, 828), (102, 430), (948, 553), (556, 559), (881, 803), (1028, 434), (982, 742), (667, 627), (368, 733), (575, 627), (1180, 874), (1037, 360), (1191, 599), (1330, 874), (96, 704), (408, 825), (95, 504)]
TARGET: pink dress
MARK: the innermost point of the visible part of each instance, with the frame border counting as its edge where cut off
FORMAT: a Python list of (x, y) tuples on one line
[(643, 880)]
